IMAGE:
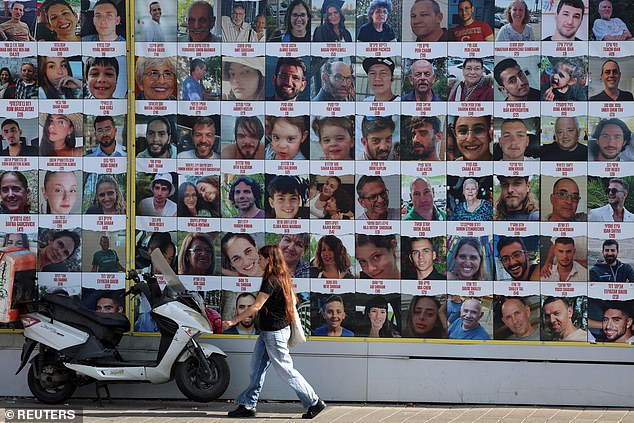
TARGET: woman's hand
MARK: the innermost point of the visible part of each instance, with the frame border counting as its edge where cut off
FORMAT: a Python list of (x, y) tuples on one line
[(226, 324), (69, 82)]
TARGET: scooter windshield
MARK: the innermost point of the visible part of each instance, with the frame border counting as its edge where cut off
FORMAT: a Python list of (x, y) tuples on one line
[(160, 264)]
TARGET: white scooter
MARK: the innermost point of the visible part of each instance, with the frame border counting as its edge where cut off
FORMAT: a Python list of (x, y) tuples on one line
[(79, 346)]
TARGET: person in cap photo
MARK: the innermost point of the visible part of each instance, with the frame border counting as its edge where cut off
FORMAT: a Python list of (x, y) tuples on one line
[(59, 134), (377, 29), (332, 28), (159, 204), (380, 77), (243, 78)]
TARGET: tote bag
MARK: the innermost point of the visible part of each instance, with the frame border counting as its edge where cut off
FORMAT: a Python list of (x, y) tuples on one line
[(297, 332)]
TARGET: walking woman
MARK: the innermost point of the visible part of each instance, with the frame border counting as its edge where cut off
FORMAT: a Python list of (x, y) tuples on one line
[(275, 300)]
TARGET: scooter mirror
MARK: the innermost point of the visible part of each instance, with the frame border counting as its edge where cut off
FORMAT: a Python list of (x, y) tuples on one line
[(162, 266)]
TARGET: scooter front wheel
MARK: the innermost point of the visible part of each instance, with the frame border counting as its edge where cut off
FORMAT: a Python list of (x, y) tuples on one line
[(51, 386), (193, 387)]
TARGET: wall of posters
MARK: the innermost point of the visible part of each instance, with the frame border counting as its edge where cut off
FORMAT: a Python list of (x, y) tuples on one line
[(432, 170), (63, 117)]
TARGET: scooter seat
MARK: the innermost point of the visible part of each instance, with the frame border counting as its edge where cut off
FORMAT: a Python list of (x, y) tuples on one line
[(73, 304)]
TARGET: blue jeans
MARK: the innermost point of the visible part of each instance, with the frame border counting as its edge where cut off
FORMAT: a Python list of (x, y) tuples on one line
[(272, 348)]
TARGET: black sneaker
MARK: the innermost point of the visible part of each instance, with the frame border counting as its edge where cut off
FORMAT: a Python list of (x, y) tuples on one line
[(313, 410), (242, 411)]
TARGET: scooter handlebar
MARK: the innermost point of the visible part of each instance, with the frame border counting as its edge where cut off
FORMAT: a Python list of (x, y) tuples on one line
[(138, 288), (133, 275)]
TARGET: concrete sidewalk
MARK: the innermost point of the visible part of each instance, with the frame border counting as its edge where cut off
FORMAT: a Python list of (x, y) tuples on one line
[(137, 411)]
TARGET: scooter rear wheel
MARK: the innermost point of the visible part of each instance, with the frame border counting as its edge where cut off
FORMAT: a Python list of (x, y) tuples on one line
[(190, 384), (53, 394)]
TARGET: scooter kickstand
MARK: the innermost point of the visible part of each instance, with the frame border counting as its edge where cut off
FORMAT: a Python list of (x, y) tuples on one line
[(105, 387)]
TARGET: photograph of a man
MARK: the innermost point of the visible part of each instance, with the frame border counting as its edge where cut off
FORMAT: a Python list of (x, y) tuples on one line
[(426, 21), (14, 28), (109, 302), (422, 76), (380, 72), (607, 28), (106, 259), (192, 87), (513, 82), (614, 210), (26, 87), (16, 146), (106, 136), (514, 256), (557, 323), (515, 314), (203, 137), (159, 204), (235, 29), (200, 22), (289, 79), (424, 140), (153, 32), (158, 138), (337, 82), (566, 268), (246, 195), (468, 326), (421, 205), (611, 77), (617, 323), (611, 269), (422, 255), (568, 20), (470, 29), (564, 201), (610, 138), (377, 138), (247, 142), (374, 197), (106, 20), (514, 140), (247, 326), (516, 200)]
